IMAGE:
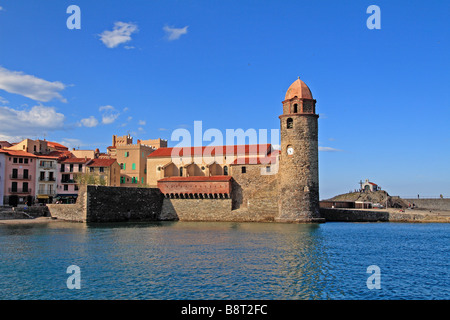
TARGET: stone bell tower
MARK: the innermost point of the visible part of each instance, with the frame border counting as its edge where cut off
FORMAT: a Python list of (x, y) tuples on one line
[(298, 185)]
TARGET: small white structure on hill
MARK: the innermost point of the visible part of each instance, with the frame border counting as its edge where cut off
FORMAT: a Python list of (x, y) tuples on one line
[(369, 186)]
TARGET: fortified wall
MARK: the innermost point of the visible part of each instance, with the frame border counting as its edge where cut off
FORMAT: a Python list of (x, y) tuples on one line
[(118, 204), (431, 204)]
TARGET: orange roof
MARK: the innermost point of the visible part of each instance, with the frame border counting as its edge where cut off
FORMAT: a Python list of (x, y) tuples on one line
[(300, 89), (212, 150), (18, 153), (56, 145), (76, 160), (101, 162), (195, 178)]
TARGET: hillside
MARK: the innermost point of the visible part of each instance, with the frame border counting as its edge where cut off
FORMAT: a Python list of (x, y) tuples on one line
[(374, 197)]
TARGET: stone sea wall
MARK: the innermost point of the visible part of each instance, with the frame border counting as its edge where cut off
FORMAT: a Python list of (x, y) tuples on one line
[(349, 215), (431, 204)]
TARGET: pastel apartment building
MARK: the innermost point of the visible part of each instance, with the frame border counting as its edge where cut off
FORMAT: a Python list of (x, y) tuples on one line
[(46, 178), (106, 171), (19, 177), (67, 191), (132, 158), (2, 177)]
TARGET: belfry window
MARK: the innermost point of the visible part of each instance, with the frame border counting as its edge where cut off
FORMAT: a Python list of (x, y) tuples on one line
[(295, 108), (181, 171), (289, 123), (225, 171)]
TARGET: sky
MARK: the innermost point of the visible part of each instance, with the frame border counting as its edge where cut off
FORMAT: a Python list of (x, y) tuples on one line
[(149, 68)]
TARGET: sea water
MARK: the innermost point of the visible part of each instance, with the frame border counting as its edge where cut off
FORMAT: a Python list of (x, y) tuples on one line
[(212, 260)]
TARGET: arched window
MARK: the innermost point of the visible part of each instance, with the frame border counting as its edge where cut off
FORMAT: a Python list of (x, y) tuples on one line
[(295, 108), (181, 171), (225, 171), (289, 123)]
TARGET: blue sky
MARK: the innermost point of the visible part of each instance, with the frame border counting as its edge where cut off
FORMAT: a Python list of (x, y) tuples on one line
[(383, 95)]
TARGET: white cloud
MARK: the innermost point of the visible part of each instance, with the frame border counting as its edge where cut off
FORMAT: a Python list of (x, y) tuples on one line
[(29, 123), (162, 129), (174, 33), (121, 33), (125, 109), (329, 149), (142, 122), (109, 118), (129, 47), (89, 122), (30, 86), (110, 114), (1, 8), (129, 118), (107, 108), (3, 101)]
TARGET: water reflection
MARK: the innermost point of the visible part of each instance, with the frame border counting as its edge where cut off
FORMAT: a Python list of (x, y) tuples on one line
[(209, 260)]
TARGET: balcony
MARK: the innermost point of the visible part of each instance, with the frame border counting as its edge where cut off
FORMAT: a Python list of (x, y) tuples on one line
[(46, 192), (19, 191), (49, 179), (68, 181), (47, 166), (19, 177)]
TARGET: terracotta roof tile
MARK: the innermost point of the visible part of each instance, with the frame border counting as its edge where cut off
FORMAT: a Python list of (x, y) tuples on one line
[(212, 150)]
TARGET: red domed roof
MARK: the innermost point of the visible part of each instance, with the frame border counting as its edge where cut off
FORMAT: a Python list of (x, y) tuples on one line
[(300, 89)]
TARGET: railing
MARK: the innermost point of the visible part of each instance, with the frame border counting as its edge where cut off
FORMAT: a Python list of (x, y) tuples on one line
[(47, 166), (46, 192), (19, 177), (11, 190), (47, 179), (68, 181)]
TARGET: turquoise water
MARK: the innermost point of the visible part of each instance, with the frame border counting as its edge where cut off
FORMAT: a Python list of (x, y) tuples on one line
[(187, 260)]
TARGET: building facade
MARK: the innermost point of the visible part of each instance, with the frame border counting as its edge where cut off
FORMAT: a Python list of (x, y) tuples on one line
[(2, 177), (20, 177), (284, 184), (105, 171), (46, 178), (69, 168)]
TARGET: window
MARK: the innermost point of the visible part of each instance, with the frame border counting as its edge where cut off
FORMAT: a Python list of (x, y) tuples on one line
[(121, 166), (14, 187), (102, 169), (14, 160), (75, 187), (295, 108), (62, 167), (42, 176), (244, 169), (181, 171), (225, 171), (268, 169), (133, 166), (124, 166), (20, 160), (71, 167), (142, 180), (25, 187), (289, 123), (80, 167), (66, 187), (25, 161), (91, 169), (127, 154), (15, 173), (25, 173)]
